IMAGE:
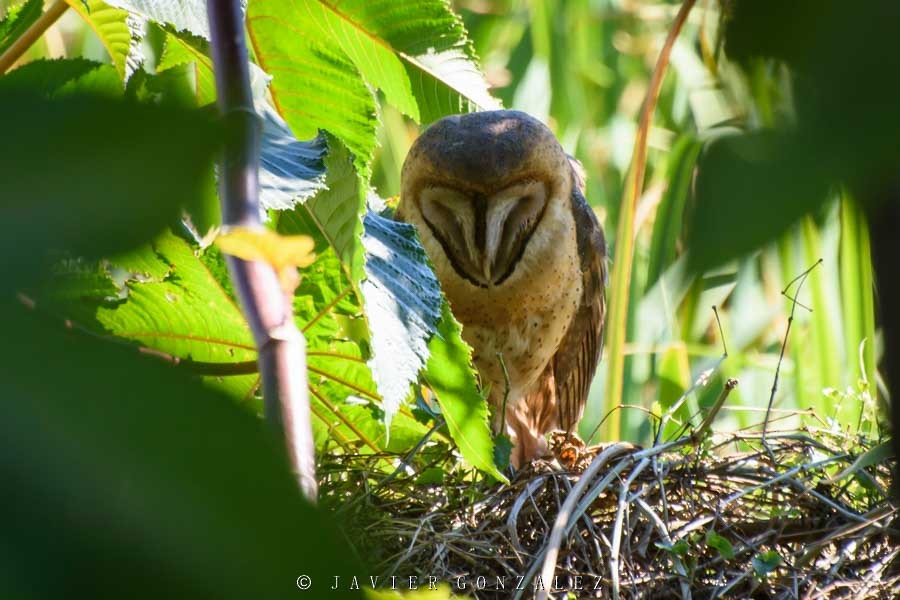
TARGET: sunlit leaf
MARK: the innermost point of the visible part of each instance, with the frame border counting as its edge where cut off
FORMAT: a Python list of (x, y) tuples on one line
[(417, 52), (284, 253), (115, 32), (183, 15), (450, 375)]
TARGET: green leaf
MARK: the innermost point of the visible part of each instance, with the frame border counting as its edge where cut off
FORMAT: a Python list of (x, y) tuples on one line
[(112, 28), (168, 301), (857, 299), (874, 456), (130, 475), (315, 85), (667, 226), (59, 77), (183, 15), (88, 171), (184, 49), (716, 541), (290, 170), (402, 304), (765, 562), (432, 43), (449, 374), (750, 189), (18, 19), (416, 52)]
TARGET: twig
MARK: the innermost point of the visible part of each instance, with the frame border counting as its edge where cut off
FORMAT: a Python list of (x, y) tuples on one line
[(268, 309), (701, 381), (721, 331), (714, 410), (31, 35), (617, 529), (802, 279)]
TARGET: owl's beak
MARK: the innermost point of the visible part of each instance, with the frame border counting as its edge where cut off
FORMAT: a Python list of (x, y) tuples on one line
[(509, 223)]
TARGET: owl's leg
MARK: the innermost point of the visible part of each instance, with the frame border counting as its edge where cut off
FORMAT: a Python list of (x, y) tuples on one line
[(527, 423)]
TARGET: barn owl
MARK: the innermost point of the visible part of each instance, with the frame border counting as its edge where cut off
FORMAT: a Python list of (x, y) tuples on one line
[(500, 210)]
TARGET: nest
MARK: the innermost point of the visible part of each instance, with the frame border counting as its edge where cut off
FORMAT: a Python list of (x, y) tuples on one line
[(729, 516)]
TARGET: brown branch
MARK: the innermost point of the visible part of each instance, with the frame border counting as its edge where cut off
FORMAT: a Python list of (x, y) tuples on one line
[(268, 310), (31, 35)]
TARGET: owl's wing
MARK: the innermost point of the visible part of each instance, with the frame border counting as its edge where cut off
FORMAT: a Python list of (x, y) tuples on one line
[(579, 351)]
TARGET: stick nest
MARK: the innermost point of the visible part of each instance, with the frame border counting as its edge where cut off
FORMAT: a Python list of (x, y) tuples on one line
[(794, 517)]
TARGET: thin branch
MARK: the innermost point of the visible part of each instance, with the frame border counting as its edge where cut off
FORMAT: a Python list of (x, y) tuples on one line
[(31, 35), (794, 304), (267, 308)]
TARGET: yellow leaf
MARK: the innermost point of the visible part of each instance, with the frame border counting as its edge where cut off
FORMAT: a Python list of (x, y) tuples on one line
[(263, 244), (284, 253)]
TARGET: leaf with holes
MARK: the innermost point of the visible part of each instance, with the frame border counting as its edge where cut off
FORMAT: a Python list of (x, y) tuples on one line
[(167, 300)]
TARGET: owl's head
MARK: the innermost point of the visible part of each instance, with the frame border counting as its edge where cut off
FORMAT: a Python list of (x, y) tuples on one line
[(480, 185)]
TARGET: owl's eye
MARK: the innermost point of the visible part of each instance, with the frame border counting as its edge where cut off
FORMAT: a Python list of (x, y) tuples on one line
[(512, 218), (451, 217)]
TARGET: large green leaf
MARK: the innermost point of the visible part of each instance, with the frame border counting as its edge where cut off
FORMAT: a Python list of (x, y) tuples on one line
[(167, 300), (403, 306), (59, 77), (183, 15), (118, 35), (186, 49), (449, 374), (290, 170), (128, 475), (108, 158), (17, 20), (416, 52)]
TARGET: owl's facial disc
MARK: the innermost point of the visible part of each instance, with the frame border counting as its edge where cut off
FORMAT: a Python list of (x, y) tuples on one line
[(484, 236)]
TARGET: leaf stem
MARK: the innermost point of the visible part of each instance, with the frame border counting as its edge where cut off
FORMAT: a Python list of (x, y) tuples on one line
[(31, 35), (268, 309)]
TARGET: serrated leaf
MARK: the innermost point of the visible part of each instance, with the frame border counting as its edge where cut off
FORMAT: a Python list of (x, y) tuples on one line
[(449, 374), (427, 38), (18, 19), (183, 15), (416, 52), (59, 77), (111, 154), (112, 28), (185, 49), (290, 170), (171, 303), (315, 85), (403, 307), (123, 467)]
